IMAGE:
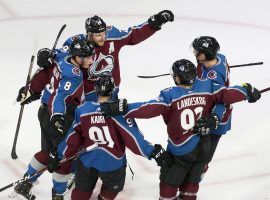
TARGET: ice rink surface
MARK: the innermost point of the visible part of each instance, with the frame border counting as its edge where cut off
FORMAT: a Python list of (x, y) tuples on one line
[(241, 166)]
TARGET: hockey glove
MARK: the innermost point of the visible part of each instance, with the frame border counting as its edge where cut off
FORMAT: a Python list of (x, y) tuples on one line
[(114, 108), (162, 157), (57, 125), (252, 93), (161, 18), (44, 58), (27, 98), (53, 162), (206, 125)]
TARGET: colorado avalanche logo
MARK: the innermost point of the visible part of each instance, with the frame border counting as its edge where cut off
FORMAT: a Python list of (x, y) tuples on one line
[(101, 65), (76, 71), (212, 74)]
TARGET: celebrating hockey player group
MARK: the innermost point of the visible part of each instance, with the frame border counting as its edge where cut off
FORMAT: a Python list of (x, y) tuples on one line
[(78, 86)]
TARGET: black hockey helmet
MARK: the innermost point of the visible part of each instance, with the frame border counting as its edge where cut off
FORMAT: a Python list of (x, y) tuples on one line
[(95, 25), (185, 70), (81, 48), (104, 84), (207, 45)]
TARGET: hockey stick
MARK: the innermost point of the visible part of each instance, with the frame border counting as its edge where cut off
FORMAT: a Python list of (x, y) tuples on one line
[(265, 90), (233, 66), (89, 148), (249, 64), (13, 151), (57, 38), (54, 46)]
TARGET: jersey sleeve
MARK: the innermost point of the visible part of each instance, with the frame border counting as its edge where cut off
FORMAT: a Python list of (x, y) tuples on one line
[(132, 136), (228, 95), (40, 80), (132, 35), (149, 109), (67, 86)]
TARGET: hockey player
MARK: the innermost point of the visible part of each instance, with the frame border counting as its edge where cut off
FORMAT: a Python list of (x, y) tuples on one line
[(113, 135), (213, 66), (187, 112), (108, 41), (57, 110)]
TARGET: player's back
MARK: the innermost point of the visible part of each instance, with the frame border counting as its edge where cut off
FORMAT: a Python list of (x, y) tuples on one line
[(186, 106), (110, 154)]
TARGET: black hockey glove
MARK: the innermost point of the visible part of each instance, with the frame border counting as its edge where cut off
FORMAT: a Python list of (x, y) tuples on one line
[(206, 125), (161, 18), (252, 93), (114, 108), (57, 125), (27, 98), (162, 157), (53, 162), (44, 58)]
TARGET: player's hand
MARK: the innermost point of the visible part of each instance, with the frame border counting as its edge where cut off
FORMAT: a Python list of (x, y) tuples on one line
[(252, 93), (53, 162), (57, 125), (161, 18), (206, 125), (114, 108), (44, 58), (162, 157), (24, 98)]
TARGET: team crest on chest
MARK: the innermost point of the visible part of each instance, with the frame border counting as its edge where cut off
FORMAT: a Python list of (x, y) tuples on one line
[(104, 63), (212, 74), (76, 71)]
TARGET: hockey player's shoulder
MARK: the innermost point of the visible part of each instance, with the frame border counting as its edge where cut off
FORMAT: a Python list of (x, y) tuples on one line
[(168, 89), (222, 57), (114, 33), (167, 93), (89, 107), (75, 37)]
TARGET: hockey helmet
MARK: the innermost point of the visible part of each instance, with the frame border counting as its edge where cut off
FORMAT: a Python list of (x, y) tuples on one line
[(95, 25), (185, 70), (104, 84), (207, 45), (81, 48)]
